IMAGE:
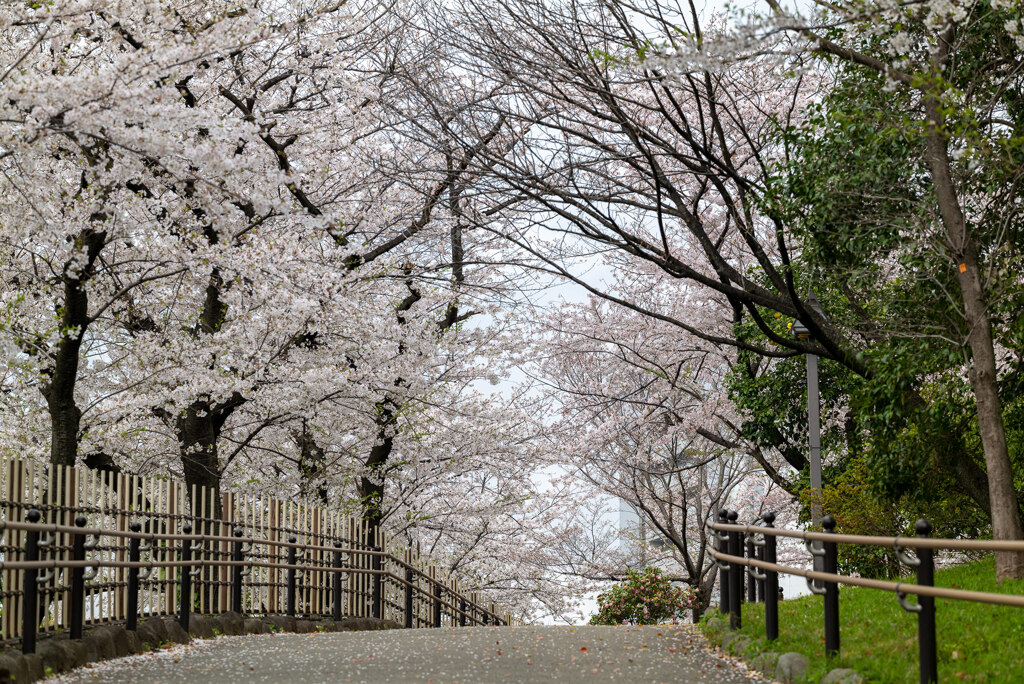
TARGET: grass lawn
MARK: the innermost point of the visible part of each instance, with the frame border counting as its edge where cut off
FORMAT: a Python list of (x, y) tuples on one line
[(976, 642)]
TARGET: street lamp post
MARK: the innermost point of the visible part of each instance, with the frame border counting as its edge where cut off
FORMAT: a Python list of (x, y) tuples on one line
[(813, 420)]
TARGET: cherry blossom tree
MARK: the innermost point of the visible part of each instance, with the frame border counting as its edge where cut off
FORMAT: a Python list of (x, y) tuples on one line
[(643, 416)]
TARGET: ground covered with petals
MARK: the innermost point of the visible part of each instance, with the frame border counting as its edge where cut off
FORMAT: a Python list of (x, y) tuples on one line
[(660, 653)]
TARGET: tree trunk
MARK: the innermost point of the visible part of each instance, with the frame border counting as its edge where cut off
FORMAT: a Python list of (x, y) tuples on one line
[(1006, 522), (312, 467), (198, 430), (705, 592), (59, 390), (371, 485)]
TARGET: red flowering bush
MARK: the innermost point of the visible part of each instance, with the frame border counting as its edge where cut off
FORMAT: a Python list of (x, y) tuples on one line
[(645, 598)]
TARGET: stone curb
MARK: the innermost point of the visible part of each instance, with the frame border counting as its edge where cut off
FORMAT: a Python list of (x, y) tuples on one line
[(788, 668), (57, 653)]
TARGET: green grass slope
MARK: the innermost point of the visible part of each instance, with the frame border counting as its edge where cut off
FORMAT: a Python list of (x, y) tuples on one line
[(976, 642)]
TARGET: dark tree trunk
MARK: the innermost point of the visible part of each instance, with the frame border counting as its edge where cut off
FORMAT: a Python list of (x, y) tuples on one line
[(371, 484), (312, 467), (198, 429), (59, 389), (705, 592)]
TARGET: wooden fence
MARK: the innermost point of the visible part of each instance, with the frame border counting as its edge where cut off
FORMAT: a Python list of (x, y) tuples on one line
[(291, 560)]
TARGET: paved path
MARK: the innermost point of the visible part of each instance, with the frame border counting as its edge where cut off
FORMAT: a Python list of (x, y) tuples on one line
[(436, 656)]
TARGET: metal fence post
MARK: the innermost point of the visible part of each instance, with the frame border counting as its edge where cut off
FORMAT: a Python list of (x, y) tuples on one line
[(723, 568), (236, 574), (377, 596), (462, 613), (735, 576), (336, 582), (926, 616), (751, 582), (831, 565), (29, 587), (134, 543), (437, 604), (290, 599), (771, 583), (78, 581), (185, 603), (410, 577)]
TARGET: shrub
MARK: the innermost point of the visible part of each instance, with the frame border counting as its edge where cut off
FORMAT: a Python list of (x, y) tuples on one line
[(645, 598)]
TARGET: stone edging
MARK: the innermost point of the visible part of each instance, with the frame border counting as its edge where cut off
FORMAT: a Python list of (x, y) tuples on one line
[(789, 668), (57, 653)]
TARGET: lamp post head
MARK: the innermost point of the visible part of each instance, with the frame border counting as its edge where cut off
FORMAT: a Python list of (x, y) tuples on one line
[(800, 331)]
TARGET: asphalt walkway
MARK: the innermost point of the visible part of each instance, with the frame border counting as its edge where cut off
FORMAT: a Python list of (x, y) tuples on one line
[(474, 655)]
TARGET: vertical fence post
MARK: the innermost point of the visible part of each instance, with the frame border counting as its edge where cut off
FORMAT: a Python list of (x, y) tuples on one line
[(723, 582), (735, 576), (29, 587), (462, 614), (336, 583), (290, 574), (377, 596), (437, 604), (926, 616), (831, 565), (78, 581), (132, 619), (771, 583), (236, 574), (185, 602), (410, 577), (751, 582), (760, 582)]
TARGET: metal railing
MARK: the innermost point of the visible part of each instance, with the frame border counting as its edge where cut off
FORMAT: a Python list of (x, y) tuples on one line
[(751, 550), (40, 538)]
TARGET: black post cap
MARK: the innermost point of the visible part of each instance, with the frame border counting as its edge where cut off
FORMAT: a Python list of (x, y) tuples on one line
[(80, 521), (829, 523), (338, 544), (238, 533), (186, 529), (135, 527), (923, 527), (733, 515), (768, 518), (292, 539), (33, 516), (723, 514)]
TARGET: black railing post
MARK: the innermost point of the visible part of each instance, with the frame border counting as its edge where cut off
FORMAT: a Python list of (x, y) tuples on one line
[(236, 573), (30, 588), (751, 582), (462, 612), (410, 577), (735, 576), (185, 601), (831, 566), (377, 596), (132, 619), (723, 547), (437, 604), (78, 581), (336, 582), (290, 600), (926, 616), (771, 583)]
